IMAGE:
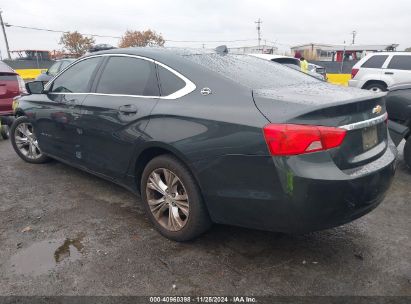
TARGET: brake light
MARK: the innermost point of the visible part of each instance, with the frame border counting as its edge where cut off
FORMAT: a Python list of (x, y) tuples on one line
[(290, 139), (354, 72), (22, 85)]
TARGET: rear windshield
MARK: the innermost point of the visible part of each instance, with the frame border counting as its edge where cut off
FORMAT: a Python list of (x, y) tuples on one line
[(250, 71)]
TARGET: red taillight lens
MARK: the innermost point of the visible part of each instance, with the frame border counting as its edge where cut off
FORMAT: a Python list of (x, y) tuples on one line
[(289, 139), (354, 72)]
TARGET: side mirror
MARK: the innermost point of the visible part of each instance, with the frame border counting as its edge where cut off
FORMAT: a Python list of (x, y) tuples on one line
[(35, 87)]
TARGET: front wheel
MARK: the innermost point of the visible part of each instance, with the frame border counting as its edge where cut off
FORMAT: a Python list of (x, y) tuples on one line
[(25, 143), (173, 200), (407, 152), (376, 87)]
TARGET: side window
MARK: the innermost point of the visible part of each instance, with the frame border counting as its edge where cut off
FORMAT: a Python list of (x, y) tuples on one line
[(169, 82), (400, 62), (128, 76), (375, 62), (77, 78), (53, 70)]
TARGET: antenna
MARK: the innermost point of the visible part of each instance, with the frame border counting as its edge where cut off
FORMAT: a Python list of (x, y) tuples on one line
[(258, 22)]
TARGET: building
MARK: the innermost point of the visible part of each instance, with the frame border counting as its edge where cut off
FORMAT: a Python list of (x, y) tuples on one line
[(332, 52), (262, 49)]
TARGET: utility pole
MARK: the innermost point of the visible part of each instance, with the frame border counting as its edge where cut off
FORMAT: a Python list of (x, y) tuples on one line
[(258, 22), (353, 33), (5, 36)]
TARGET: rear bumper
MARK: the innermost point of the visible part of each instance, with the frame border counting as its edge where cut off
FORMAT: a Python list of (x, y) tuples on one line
[(297, 194), (354, 83)]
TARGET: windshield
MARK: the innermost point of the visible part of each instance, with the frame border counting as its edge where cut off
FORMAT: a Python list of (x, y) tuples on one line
[(250, 71)]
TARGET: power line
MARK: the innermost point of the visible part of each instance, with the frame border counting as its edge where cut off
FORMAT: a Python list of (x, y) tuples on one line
[(119, 37), (58, 31)]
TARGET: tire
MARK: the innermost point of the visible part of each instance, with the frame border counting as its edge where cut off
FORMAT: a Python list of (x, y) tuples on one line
[(407, 152), (190, 215), (5, 131), (25, 144), (376, 87)]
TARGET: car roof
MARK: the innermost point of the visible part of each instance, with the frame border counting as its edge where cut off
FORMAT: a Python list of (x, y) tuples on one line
[(4, 68), (388, 53)]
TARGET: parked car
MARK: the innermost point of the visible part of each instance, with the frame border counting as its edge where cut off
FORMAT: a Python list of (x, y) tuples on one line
[(101, 47), (11, 85), (213, 137), (290, 62), (58, 66), (315, 68), (378, 71), (399, 112)]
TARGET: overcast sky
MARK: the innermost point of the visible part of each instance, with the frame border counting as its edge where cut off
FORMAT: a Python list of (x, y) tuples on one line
[(285, 22)]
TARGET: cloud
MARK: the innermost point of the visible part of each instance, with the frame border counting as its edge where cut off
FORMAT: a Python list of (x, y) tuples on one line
[(286, 22)]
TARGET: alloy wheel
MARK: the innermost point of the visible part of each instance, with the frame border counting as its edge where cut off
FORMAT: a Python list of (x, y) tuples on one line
[(26, 141), (167, 199)]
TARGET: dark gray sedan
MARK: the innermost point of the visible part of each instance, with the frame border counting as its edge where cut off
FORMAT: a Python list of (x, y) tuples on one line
[(212, 137)]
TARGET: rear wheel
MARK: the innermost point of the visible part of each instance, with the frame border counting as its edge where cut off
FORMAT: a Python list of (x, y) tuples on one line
[(25, 143), (376, 87), (407, 152), (5, 131), (173, 200)]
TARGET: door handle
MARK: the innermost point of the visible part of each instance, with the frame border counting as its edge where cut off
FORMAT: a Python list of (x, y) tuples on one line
[(128, 109), (389, 73)]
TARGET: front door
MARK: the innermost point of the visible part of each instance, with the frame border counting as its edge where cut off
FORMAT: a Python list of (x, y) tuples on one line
[(57, 125)]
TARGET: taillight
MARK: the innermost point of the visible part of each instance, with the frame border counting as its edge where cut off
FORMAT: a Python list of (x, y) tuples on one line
[(290, 139), (22, 85), (354, 72)]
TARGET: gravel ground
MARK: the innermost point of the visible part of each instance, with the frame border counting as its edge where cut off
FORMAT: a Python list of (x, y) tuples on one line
[(66, 232)]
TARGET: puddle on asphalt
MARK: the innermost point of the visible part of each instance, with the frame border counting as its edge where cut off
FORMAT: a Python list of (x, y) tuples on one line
[(43, 256)]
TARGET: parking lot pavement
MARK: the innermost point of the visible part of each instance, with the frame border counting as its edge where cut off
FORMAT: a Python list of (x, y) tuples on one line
[(63, 231)]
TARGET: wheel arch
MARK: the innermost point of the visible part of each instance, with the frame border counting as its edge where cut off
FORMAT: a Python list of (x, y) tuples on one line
[(368, 82), (152, 150)]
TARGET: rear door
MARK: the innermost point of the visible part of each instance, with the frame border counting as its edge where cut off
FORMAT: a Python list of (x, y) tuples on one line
[(115, 115), (371, 69), (398, 69)]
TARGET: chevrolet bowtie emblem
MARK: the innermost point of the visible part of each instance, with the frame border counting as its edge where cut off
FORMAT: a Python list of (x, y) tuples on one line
[(377, 110)]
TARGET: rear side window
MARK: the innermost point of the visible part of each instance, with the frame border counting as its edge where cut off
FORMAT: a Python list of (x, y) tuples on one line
[(128, 76), (400, 62), (169, 82), (375, 62), (8, 77), (77, 78)]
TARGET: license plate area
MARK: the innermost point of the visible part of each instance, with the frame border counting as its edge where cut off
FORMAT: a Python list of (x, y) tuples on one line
[(369, 138)]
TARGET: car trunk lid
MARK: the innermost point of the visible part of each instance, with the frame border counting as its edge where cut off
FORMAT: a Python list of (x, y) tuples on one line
[(361, 113)]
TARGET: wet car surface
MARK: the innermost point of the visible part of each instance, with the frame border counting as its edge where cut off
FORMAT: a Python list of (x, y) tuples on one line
[(67, 232)]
